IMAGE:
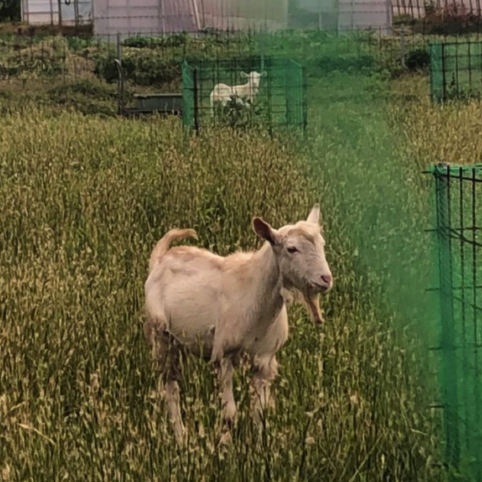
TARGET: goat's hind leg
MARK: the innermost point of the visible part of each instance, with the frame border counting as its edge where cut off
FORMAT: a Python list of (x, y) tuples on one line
[(166, 353), (173, 398)]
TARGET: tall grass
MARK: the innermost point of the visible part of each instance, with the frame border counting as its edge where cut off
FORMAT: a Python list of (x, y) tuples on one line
[(83, 202)]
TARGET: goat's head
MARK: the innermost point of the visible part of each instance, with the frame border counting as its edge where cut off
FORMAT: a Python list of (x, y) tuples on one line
[(300, 253), (254, 78)]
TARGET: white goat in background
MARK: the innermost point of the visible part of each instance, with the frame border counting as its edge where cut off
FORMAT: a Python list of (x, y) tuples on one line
[(222, 307), (223, 93)]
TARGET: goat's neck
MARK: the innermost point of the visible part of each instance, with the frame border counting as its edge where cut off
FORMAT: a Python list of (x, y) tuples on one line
[(252, 88), (267, 283)]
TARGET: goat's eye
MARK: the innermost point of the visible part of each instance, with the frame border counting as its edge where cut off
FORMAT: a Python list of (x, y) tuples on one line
[(292, 249)]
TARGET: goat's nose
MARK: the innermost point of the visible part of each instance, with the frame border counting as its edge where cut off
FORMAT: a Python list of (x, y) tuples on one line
[(327, 279)]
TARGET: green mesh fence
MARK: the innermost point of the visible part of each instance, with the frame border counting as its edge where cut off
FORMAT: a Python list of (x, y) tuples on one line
[(459, 222), (455, 70), (279, 100)]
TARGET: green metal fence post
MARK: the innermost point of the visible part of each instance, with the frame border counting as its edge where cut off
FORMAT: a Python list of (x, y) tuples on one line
[(305, 100), (447, 342), (196, 100), (436, 81)]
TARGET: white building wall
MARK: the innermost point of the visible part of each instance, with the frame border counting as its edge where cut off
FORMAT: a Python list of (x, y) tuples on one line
[(351, 14), (362, 14), (46, 12), (130, 17), (126, 17)]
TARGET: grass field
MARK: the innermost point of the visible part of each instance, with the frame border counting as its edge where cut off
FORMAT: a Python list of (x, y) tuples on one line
[(84, 198)]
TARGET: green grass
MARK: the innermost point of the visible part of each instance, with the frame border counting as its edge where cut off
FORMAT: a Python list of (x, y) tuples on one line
[(83, 202), (84, 199)]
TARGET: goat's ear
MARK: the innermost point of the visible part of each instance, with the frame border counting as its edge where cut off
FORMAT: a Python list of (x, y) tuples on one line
[(265, 231), (244, 74), (314, 216), (264, 74)]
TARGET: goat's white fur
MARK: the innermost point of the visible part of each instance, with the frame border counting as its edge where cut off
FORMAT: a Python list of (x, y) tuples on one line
[(223, 93), (220, 307)]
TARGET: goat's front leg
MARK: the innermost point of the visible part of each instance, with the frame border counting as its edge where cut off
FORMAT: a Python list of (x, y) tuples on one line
[(226, 378), (265, 370)]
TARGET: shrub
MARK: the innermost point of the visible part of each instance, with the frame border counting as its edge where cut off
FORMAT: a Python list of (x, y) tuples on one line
[(140, 66), (85, 96), (418, 59)]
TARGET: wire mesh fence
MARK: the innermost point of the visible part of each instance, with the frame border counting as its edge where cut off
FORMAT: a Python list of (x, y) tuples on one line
[(455, 70), (252, 91), (55, 12), (422, 9), (459, 223), (171, 16), (66, 68), (152, 17), (154, 62)]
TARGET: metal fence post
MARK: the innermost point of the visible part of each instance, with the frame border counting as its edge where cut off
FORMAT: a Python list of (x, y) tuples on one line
[(59, 3), (402, 45), (269, 79), (196, 101), (444, 80), (449, 374), (320, 16), (51, 12), (305, 100), (120, 80), (76, 13), (389, 8)]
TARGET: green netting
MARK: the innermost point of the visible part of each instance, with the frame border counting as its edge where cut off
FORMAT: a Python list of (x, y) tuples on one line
[(279, 102), (459, 222), (436, 73), (455, 70), (187, 95), (295, 95)]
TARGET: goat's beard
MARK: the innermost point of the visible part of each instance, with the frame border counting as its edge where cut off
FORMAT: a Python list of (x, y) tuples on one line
[(312, 302), (309, 298)]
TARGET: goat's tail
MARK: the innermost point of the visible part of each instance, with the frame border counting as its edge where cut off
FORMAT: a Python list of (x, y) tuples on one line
[(164, 244)]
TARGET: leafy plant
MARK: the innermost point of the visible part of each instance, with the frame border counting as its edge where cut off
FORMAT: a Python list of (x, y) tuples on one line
[(9, 10), (418, 59)]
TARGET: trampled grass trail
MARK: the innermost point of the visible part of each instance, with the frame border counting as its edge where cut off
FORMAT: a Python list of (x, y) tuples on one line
[(381, 199)]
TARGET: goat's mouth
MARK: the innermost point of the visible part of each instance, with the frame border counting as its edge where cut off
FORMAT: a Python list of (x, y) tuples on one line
[(319, 288)]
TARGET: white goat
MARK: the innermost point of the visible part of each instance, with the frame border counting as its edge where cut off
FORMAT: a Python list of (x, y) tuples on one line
[(223, 93), (222, 307)]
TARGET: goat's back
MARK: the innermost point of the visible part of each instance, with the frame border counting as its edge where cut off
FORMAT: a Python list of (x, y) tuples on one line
[(183, 290)]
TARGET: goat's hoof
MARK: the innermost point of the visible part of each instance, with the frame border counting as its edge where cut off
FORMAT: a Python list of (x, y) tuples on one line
[(228, 422), (229, 418), (180, 435), (229, 414), (319, 320), (226, 438)]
